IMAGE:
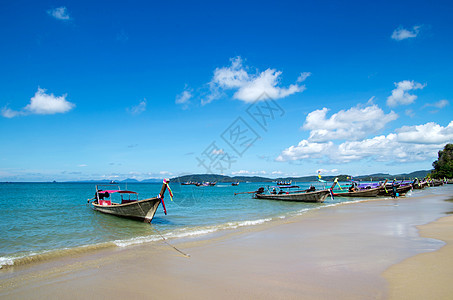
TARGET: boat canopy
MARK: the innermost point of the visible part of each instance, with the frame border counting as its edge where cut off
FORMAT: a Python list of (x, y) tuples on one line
[(118, 191)]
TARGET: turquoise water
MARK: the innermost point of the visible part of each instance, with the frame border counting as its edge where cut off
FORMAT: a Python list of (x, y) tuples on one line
[(44, 219)]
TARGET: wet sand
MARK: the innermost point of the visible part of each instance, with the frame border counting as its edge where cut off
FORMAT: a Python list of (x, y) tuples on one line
[(427, 275), (336, 252)]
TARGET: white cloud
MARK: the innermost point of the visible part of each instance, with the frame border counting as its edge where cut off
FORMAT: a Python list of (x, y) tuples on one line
[(184, 98), (429, 133), (400, 33), (217, 151), (9, 113), (250, 87), (352, 124), (400, 95), (303, 76), (439, 104), (41, 104), (45, 104), (387, 148), (324, 171), (305, 150), (245, 172), (137, 109), (165, 173), (405, 144), (59, 13)]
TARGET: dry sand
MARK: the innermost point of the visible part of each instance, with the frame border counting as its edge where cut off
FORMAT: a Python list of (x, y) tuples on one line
[(333, 253)]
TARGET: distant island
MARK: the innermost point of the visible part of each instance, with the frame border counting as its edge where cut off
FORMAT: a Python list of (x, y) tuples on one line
[(228, 179), (223, 178)]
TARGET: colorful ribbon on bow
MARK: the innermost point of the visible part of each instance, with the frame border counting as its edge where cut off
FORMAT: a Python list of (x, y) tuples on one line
[(163, 203), (169, 189), (336, 181)]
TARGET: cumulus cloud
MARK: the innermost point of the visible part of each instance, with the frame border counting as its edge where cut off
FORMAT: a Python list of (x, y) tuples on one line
[(408, 143), (429, 133), (399, 147), (401, 96), (352, 127), (352, 124), (401, 33), (59, 13), (305, 150), (249, 87), (137, 109), (41, 104)]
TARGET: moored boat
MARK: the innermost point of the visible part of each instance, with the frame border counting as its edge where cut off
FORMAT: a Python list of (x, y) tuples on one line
[(316, 196), (309, 195), (372, 192), (400, 189), (142, 210)]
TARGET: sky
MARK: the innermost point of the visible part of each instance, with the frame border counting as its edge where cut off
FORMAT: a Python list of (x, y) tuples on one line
[(150, 89)]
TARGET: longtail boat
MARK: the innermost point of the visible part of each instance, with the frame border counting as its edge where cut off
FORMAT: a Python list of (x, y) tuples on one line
[(373, 192), (400, 189), (360, 190), (308, 195), (142, 210), (316, 196)]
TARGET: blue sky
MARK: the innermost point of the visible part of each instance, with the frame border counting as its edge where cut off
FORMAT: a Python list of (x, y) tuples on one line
[(115, 90)]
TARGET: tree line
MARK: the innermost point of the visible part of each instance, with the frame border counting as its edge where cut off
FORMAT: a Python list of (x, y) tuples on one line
[(443, 166)]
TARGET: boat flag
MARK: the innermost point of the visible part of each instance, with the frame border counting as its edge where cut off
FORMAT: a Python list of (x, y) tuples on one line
[(336, 181), (319, 176), (169, 189)]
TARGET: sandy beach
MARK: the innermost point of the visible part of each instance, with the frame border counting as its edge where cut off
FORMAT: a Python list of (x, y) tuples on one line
[(363, 250)]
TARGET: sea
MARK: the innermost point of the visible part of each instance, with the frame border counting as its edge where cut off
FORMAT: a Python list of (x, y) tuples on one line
[(39, 221)]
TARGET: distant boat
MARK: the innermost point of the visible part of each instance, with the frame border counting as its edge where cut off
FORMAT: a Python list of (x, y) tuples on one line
[(142, 210), (284, 182), (234, 183), (113, 182)]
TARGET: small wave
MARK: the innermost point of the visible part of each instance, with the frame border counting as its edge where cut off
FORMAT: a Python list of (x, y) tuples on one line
[(189, 232), (33, 257)]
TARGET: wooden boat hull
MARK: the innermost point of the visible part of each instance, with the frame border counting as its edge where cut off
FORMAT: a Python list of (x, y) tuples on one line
[(317, 196), (401, 190), (420, 185), (361, 193), (142, 210)]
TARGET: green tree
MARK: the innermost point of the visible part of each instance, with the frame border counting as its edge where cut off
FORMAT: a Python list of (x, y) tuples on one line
[(443, 166)]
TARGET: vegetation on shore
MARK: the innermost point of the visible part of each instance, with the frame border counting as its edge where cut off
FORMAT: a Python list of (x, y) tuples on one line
[(223, 178), (443, 166)]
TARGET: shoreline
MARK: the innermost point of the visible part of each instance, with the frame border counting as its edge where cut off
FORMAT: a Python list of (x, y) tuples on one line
[(336, 252), (427, 275)]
